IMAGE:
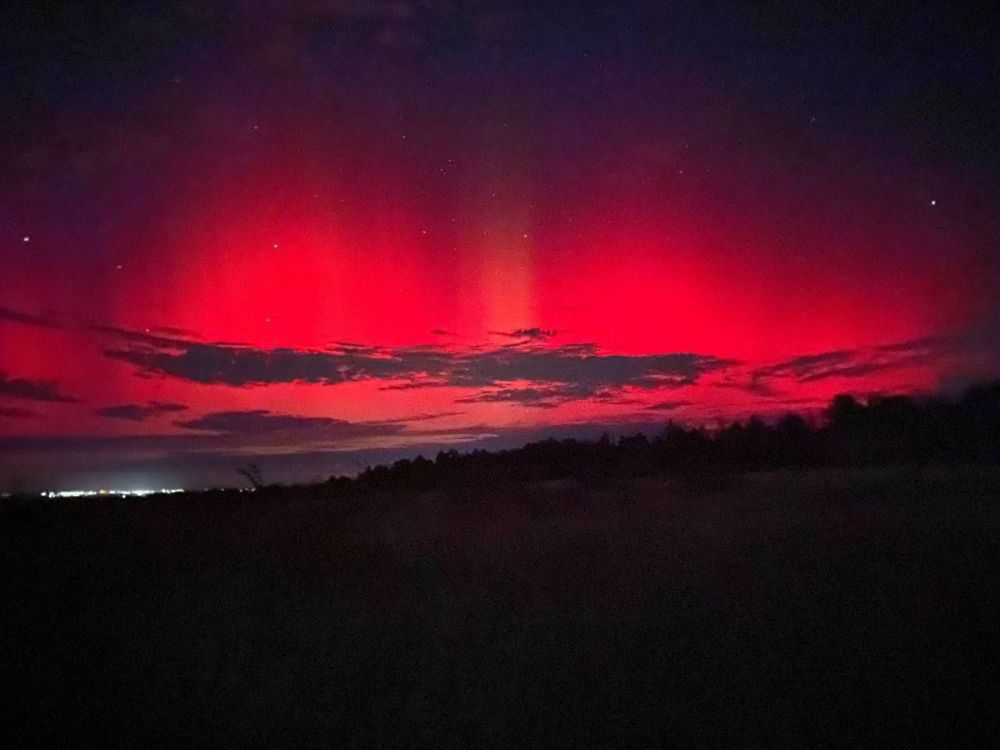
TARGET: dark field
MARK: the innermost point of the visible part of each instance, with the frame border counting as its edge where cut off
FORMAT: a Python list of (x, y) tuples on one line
[(801, 609)]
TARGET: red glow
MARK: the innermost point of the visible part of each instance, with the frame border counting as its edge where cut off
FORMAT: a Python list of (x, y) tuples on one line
[(278, 255)]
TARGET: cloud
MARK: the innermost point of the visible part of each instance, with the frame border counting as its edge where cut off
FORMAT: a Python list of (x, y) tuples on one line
[(855, 370), (16, 412), (257, 421), (414, 385), (171, 331), (581, 367), (570, 371), (527, 333), (804, 365), (775, 380), (549, 396), (130, 412), (15, 316), (539, 398), (138, 412), (419, 418), (167, 406), (164, 337), (855, 363), (668, 405), (32, 390), (743, 382)]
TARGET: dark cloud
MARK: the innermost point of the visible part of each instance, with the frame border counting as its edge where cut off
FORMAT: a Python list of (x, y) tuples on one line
[(257, 421), (539, 398), (855, 370), (805, 365), (138, 412), (771, 381), (418, 418), (529, 372), (749, 384), (176, 332), (16, 316), (856, 363), (163, 337), (16, 412), (547, 397), (668, 405), (32, 390), (527, 333), (167, 406), (129, 412), (414, 385), (575, 370), (146, 338), (579, 366)]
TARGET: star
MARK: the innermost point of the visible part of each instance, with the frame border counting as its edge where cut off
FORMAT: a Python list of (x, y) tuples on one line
[(933, 202)]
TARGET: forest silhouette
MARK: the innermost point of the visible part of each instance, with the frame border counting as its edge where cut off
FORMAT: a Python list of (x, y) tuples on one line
[(876, 431)]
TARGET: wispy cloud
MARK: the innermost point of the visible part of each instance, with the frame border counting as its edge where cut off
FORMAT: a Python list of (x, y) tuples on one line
[(16, 412), (527, 333), (138, 412), (257, 421), (849, 363), (668, 405), (538, 398), (806, 365), (33, 390), (17, 316)]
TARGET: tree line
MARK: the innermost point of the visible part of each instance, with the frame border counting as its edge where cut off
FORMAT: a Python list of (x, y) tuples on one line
[(879, 430)]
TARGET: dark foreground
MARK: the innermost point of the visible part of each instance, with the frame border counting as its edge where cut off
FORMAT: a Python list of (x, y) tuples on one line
[(797, 609)]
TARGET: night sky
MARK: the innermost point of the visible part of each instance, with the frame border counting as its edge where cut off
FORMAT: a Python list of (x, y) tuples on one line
[(321, 233)]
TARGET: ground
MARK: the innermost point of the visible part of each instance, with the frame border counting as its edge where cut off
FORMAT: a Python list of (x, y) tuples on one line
[(797, 609)]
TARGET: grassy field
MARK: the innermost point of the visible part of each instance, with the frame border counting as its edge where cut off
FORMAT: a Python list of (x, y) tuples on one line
[(798, 609)]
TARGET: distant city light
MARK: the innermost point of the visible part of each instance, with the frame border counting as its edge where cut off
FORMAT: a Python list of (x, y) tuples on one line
[(102, 492)]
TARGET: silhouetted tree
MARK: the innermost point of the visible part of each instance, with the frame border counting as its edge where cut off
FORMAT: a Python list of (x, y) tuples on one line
[(881, 430)]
